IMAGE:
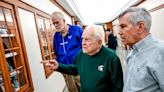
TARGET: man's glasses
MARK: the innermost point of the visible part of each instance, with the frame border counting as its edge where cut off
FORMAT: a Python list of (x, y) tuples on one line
[(57, 22)]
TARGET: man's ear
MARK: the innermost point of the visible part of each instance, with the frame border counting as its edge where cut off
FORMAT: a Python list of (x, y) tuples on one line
[(100, 42), (141, 27)]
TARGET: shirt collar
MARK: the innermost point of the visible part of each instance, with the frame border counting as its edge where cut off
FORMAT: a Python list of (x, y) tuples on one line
[(142, 44)]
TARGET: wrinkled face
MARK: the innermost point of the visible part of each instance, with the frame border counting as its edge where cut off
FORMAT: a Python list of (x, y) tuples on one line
[(127, 31), (90, 45), (58, 23)]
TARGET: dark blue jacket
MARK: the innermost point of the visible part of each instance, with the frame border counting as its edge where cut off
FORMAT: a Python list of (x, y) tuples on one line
[(67, 47), (112, 42)]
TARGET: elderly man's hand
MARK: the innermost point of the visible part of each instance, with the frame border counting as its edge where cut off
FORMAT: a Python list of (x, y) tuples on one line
[(51, 64)]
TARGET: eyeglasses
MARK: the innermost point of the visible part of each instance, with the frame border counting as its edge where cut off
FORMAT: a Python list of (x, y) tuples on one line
[(57, 22)]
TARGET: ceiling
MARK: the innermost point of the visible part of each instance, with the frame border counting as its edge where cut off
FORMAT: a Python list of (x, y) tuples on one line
[(92, 11), (96, 11), (86, 11)]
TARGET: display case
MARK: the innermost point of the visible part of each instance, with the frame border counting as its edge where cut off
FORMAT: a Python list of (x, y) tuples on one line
[(45, 34), (13, 70)]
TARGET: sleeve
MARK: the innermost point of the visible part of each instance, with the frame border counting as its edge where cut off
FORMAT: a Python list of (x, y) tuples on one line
[(71, 69), (68, 69), (157, 71), (116, 74)]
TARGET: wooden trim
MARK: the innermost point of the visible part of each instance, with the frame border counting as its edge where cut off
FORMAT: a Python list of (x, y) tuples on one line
[(5, 76), (37, 27), (157, 8), (5, 5), (22, 42), (27, 77), (25, 6), (109, 25), (48, 72), (151, 10), (138, 3)]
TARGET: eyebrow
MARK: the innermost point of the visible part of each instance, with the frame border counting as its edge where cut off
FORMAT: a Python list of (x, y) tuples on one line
[(56, 22)]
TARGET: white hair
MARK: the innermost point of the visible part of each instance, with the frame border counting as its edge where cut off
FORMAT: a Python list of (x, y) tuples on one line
[(98, 33), (57, 13)]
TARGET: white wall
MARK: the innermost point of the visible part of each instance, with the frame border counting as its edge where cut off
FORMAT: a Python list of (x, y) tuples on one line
[(55, 83), (48, 7), (157, 28)]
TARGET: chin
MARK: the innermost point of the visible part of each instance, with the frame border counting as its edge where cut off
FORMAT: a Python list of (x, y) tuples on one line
[(124, 43), (84, 51), (57, 30)]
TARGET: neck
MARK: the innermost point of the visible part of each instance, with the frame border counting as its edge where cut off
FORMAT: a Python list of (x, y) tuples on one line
[(96, 51), (65, 30), (145, 34)]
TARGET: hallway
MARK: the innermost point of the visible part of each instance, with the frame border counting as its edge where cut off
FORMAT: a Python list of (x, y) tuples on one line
[(27, 31)]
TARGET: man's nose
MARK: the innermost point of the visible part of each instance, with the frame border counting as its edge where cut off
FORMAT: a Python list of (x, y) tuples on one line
[(119, 32), (83, 41)]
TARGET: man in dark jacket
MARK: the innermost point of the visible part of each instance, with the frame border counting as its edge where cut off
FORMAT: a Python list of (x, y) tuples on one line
[(112, 41)]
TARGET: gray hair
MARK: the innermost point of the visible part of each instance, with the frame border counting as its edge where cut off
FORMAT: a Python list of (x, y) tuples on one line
[(138, 15), (57, 13)]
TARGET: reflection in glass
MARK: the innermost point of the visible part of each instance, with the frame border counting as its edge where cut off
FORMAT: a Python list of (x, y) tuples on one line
[(45, 50), (53, 56), (43, 35), (1, 15), (3, 30), (2, 88), (22, 78), (13, 73), (6, 43), (20, 69), (47, 25), (11, 68), (14, 42), (8, 15), (47, 58), (50, 34)]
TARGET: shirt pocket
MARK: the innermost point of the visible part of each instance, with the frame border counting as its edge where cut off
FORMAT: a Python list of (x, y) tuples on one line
[(140, 73)]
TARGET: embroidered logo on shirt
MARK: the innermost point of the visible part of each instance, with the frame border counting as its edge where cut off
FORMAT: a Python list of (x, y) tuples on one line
[(138, 69), (63, 43), (100, 68), (70, 36)]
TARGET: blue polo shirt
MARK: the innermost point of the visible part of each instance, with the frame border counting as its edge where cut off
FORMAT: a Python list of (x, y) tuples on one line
[(67, 47)]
